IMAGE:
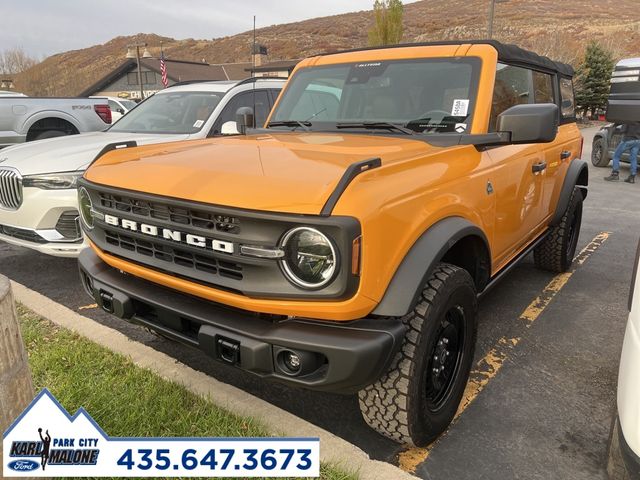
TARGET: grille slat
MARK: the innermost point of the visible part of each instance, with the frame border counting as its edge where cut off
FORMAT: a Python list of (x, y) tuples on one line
[(175, 255), (10, 189), (169, 213)]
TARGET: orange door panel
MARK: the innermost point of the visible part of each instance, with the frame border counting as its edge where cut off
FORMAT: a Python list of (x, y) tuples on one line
[(519, 199)]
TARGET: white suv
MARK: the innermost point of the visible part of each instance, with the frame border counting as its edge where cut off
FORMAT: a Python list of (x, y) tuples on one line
[(38, 200), (624, 448)]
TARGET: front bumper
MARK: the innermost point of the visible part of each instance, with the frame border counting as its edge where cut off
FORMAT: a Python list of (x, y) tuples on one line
[(629, 386), (339, 357), (629, 457), (34, 224)]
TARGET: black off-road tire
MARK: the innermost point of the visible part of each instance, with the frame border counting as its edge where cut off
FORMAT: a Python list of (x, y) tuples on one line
[(557, 250), (599, 153), (616, 469), (398, 404)]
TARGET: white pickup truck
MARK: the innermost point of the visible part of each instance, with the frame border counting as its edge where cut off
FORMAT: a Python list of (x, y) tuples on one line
[(23, 119), (38, 197)]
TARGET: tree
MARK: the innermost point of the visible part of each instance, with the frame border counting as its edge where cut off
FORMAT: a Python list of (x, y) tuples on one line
[(593, 78), (15, 60), (388, 23)]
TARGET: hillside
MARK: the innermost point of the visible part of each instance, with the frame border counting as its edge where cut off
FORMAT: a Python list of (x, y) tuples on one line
[(559, 29)]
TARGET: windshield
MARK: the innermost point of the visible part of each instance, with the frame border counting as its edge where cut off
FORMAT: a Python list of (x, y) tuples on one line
[(180, 112), (425, 96)]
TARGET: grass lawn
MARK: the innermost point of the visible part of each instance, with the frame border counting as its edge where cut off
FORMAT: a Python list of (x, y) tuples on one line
[(126, 400)]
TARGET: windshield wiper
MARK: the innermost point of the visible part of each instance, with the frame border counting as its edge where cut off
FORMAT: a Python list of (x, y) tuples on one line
[(376, 126), (292, 123)]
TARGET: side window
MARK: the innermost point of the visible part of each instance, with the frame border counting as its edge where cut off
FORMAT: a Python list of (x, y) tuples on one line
[(567, 97), (113, 106), (244, 99), (512, 87), (274, 93), (543, 88)]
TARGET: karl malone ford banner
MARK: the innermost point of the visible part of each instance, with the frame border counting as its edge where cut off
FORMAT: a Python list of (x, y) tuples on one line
[(45, 441)]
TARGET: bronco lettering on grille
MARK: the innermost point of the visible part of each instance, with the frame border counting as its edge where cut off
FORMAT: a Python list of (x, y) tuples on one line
[(168, 234)]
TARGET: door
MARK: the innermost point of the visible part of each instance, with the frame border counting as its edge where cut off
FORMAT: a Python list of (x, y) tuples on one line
[(567, 145), (518, 176)]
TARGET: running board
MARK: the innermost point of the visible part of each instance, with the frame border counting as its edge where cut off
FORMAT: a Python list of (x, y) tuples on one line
[(492, 283)]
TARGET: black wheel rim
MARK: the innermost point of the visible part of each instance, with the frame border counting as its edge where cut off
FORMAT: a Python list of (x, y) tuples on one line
[(445, 358), (597, 153)]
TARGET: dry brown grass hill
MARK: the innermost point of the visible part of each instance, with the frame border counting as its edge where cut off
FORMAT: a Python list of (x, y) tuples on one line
[(557, 28)]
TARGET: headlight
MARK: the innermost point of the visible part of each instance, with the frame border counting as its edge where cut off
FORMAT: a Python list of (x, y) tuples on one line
[(84, 200), (54, 181), (310, 259)]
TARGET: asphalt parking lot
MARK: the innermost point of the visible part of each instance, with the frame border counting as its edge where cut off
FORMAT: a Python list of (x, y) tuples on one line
[(543, 393)]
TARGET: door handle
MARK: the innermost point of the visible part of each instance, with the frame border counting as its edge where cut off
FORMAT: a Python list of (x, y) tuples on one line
[(565, 154), (538, 167)]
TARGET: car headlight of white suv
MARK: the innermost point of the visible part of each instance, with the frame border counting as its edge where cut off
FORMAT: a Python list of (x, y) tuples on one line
[(53, 181)]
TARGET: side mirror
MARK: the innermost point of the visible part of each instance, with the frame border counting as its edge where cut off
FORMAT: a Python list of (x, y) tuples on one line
[(229, 128), (244, 119), (530, 123), (120, 111)]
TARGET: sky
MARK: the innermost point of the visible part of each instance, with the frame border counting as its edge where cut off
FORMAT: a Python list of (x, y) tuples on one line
[(44, 27)]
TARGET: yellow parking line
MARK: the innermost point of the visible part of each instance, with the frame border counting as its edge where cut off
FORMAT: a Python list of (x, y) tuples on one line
[(88, 307), (489, 366)]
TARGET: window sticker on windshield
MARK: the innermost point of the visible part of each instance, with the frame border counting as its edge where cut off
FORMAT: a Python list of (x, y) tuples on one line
[(198, 123), (460, 108), (461, 127)]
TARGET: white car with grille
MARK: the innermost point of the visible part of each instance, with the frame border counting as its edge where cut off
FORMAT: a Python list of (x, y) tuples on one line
[(38, 199)]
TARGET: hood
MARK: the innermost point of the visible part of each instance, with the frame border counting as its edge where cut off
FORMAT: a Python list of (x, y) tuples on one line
[(288, 172), (67, 154)]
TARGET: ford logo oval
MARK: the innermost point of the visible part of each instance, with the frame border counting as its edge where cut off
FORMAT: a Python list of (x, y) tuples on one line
[(23, 465)]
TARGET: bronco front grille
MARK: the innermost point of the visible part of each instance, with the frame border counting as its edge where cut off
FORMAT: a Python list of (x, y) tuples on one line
[(171, 213), (10, 189), (202, 243), (178, 256)]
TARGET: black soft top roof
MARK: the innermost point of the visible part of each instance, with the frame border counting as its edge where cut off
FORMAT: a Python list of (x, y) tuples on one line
[(507, 53)]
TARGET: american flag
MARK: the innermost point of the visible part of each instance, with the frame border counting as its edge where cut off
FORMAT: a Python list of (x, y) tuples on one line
[(163, 71)]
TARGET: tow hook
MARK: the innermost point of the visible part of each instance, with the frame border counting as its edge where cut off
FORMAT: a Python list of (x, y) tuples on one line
[(228, 350)]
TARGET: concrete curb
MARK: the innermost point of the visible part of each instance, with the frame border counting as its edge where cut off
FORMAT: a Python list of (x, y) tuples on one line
[(333, 449), (16, 388)]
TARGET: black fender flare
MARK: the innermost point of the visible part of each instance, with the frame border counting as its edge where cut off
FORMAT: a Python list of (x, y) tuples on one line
[(418, 264), (577, 176)]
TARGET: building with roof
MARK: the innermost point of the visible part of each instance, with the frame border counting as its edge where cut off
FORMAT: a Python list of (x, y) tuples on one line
[(123, 81)]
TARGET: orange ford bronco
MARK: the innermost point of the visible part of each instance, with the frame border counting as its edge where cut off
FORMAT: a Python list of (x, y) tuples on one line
[(344, 245)]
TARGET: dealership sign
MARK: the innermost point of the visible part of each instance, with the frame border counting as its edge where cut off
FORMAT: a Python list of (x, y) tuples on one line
[(45, 441)]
